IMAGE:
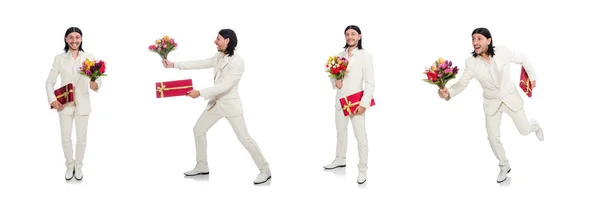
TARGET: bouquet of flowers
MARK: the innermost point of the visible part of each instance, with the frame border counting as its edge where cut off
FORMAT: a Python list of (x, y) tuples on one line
[(336, 67), (440, 73), (163, 46), (93, 69)]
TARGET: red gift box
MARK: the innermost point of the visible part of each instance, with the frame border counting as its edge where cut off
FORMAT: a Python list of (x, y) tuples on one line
[(173, 88), (525, 83), (351, 102), (64, 94)]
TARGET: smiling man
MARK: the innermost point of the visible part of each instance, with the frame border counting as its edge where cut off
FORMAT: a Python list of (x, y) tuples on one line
[(360, 71), (491, 67), (66, 65), (224, 101)]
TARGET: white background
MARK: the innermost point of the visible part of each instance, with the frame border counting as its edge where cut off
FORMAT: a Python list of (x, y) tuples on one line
[(419, 145)]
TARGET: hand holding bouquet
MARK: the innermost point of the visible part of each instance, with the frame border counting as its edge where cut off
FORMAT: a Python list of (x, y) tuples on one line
[(163, 46), (336, 67), (440, 73), (93, 69)]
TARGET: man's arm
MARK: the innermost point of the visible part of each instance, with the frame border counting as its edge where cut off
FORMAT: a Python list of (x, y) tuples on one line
[(51, 80), (369, 79), (521, 59), (196, 64), (232, 78), (462, 83)]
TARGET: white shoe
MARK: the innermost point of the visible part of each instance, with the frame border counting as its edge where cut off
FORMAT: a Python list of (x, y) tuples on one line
[(78, 174), (263, 177), (198, 170), (69, 173), (502, 174), (337, 163), (362, 177), (538, 132)]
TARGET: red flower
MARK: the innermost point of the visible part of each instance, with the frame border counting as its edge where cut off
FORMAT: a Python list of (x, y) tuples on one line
[(432, 76), (102, 68)]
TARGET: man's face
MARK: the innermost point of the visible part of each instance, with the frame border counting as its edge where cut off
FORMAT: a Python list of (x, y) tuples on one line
[(480, 43), (74, 40), (221, 43), (352, 37)]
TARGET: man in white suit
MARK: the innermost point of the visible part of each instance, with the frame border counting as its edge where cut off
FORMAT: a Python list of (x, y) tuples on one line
[(66, 65), (224, 101), (491, 67), (359, 71)]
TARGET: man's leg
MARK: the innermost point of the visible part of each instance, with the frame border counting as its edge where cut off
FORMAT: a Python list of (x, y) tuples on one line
[(238, 124), (341, 125), (204, 123), (524, 126), (358, 125), (66, 127), (492, 124), (81, 126)]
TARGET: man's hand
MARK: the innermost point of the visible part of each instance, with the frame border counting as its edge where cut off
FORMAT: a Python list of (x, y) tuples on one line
[(168, 64), (93, 85), (360, 110), (443, 93), (532, 84), (194, 94), (338, 84), (57, 105)]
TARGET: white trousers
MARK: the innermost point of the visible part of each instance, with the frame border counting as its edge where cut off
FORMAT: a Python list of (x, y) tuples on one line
[(492, 124), (208, 119), (66, 127), (358, 125)]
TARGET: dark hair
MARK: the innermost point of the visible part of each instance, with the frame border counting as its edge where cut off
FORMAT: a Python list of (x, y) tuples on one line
[(228, 33), (355, 28), (486, 33), (69, 31)]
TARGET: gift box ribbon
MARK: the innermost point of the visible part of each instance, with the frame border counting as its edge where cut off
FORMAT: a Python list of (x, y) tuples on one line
[(164, 88), (65, 94), (528, 89), (349, 104)]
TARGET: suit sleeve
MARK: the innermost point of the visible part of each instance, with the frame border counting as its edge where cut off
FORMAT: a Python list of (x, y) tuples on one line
[(232, 78), (521, 59), (462, 83), (196, 64), (369, 79), (51, 80), (333, 83)]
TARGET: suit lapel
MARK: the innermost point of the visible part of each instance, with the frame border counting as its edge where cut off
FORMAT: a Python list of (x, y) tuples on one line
[(222, 64)]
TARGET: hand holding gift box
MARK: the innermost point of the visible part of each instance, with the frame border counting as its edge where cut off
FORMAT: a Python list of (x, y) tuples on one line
[(525, 83), (163, 46), (173, 88), (64, 94), (350, 103)]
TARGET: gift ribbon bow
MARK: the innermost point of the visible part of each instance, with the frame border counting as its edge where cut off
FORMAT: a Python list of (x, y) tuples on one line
[(528, 89), (65, 94), (164, 88), (349, 105)]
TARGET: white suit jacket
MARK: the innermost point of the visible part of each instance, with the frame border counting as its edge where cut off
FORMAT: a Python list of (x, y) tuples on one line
[(81, 83), (227, 74), (493, 95), (360, 69)]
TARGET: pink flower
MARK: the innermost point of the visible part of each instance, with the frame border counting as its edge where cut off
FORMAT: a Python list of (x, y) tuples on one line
[(172, 41), (443, 65), (164, 46), (448, 70), (175, 45), (159, 48)]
